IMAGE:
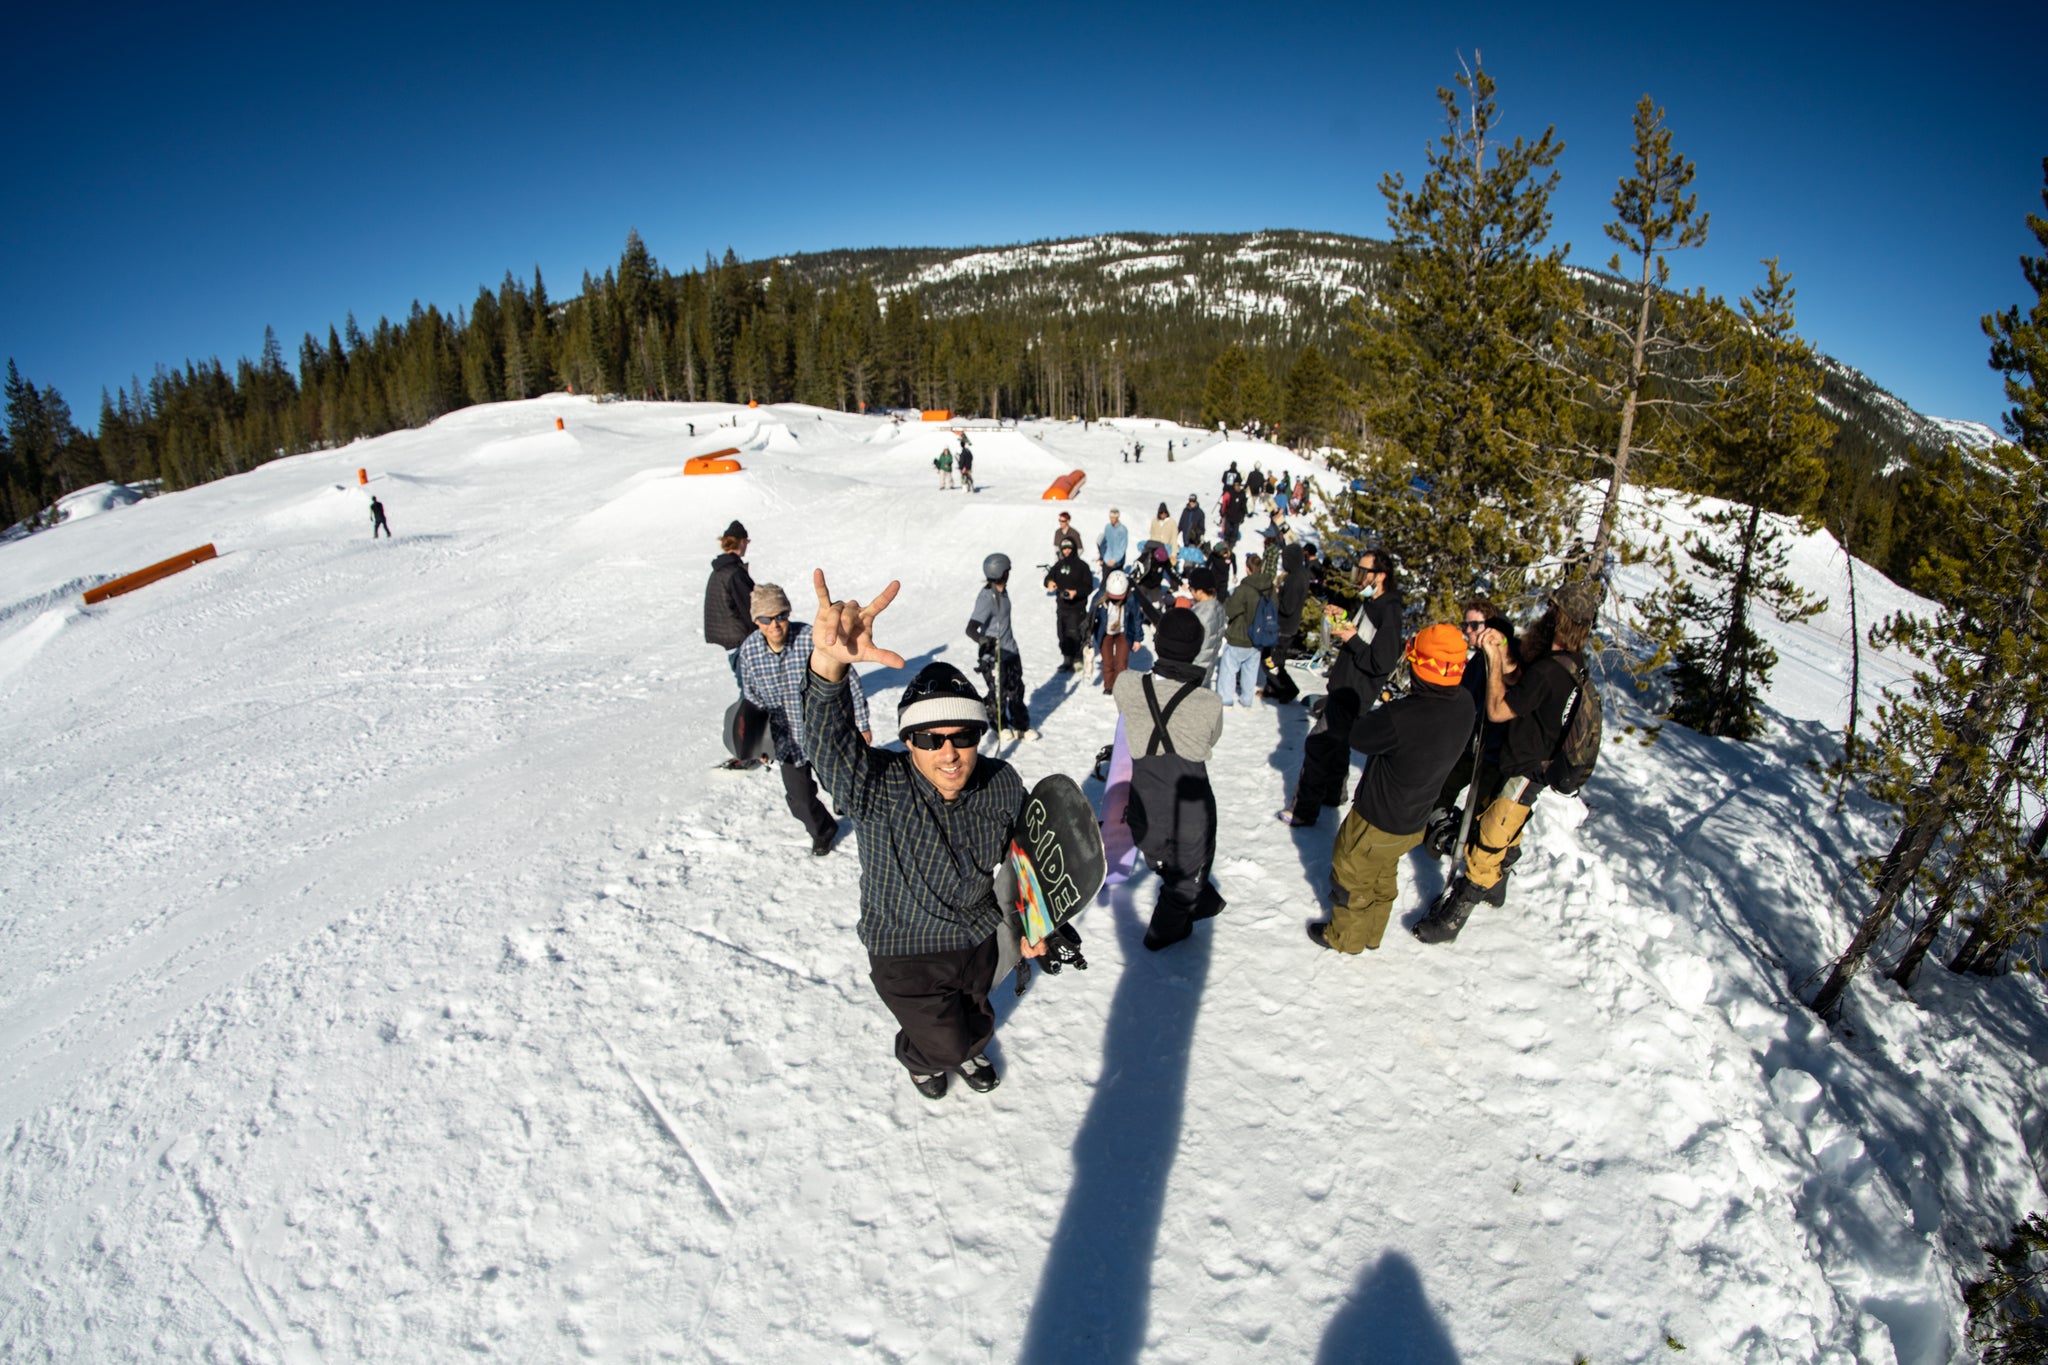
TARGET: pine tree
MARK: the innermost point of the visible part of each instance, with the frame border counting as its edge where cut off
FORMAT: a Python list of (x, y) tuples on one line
[(1223, 391), (1463, 407), (1311, 399), (1767, 454), (1632, 357), (1957, 753), (2009, 1306)]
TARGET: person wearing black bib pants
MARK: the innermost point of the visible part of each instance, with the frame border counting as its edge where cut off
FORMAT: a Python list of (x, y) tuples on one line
[(1172, 812)]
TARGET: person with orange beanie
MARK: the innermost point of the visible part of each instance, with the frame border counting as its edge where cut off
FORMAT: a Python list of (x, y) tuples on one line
[(1412, 742)]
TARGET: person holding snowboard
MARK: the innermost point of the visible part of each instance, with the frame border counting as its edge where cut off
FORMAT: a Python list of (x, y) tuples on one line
[(774, 665), (1071, 586), (1368, 652), (966, 465), (1529, 693), (1171, 723), (1413, 742), (1479, 614), (729, 597), (377, 522), (989, 627), (934, 821)]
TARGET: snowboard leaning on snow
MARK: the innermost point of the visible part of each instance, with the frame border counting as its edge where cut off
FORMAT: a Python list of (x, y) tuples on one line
[(1055, 863)]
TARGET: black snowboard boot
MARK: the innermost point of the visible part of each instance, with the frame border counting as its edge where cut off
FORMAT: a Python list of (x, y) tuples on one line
[(1447, 917), (980, 1075), (932, 1087), (1442, 830)]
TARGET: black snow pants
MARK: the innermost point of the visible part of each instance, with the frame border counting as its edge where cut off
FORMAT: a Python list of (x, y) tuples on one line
[(801, 790), (940, 1001), (1070, 620), (1172, 815)]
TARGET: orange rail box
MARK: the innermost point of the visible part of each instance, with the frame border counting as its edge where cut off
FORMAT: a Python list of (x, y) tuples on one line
[(938, 414), (142, 578), (717, 462), (1064, 487)]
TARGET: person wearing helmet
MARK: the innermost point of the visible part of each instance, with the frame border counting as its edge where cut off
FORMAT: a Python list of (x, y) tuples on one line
[(1413, 741), (1000, 661), (1117, 626), (934, 820)]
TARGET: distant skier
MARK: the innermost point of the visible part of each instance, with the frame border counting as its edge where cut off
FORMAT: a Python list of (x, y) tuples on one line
[(1530, 693), (1413, 742), (774, 664), (377, 522), (729, 597), (1001, 663), (933, 821), (1071, 585), (1171, 724)]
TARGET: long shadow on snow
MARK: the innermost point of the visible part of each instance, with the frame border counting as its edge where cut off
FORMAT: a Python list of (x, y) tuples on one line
[(1385, 1319), (1313, 846), (1093, 1298)]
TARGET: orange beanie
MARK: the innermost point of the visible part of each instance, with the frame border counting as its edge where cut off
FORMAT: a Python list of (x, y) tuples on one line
[(1437, 654)]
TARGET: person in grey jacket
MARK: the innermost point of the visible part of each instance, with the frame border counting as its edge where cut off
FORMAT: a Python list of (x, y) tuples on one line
[(1201, 586), (989, 627), (1171, 724), (934, 820)]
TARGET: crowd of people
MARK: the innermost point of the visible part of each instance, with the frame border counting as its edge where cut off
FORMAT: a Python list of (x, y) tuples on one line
[(1462, 725)]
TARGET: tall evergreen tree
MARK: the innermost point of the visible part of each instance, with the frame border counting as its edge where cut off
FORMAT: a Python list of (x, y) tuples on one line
[(1957, 752), (1464, 409), (1632, 355), (1767, 454)]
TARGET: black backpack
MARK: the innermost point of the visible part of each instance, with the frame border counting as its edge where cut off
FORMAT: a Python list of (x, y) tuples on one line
[(1578, 747)]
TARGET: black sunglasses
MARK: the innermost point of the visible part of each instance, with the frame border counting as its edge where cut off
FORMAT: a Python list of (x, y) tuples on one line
[(771, 620), (929, 740)]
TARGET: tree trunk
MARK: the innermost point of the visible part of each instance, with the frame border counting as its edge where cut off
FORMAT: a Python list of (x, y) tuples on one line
[(1610, 510)]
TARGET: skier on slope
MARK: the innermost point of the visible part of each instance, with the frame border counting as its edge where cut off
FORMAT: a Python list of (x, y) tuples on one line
[(729, 597), (774, 663), (377, 522), (1413, 742), (934, 821), (1171, 724), (989, 627), (1368, 652), (1528, 692)]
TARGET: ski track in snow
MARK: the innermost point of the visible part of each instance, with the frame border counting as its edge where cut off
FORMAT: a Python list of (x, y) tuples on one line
[(391, 974)]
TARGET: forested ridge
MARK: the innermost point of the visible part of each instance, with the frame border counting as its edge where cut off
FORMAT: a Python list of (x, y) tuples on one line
[(1252, 327)]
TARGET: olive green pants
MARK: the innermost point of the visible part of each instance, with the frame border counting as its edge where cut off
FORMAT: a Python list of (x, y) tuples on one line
[(1365, 876)]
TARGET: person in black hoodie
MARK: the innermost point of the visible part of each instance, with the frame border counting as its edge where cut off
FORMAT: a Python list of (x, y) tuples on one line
[(1071, 586), (1414, 741), (1480, 613), (729, 597), (1368, 652), (1171, 723)]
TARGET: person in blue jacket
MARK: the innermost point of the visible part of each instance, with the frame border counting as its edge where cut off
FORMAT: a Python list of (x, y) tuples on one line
[(1113, 544)]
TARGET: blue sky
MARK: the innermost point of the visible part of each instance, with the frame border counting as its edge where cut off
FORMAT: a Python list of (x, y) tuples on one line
[(184, 178)]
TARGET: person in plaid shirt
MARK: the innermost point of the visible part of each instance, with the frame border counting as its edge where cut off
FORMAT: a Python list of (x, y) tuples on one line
[(934, 820), (774, 664)]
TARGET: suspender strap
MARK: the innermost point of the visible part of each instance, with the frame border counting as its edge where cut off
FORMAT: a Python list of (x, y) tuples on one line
[(1159, 717)]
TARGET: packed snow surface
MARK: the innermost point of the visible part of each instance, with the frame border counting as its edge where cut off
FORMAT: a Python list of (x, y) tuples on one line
[(392, 974)]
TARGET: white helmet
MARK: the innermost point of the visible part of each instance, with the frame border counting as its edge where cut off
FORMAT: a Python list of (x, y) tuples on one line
[(1116, 585)]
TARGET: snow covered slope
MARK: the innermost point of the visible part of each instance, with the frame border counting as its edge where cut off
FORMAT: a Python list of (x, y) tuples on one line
[(391, 975)]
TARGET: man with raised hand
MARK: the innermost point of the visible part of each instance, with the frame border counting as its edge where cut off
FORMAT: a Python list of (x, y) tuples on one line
[(934, 821)]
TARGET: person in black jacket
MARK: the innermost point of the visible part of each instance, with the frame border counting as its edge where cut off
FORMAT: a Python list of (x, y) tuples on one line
[(1480, 613), (1530, 692), (934, 820), (1413, 741), (1071, 586), (1368, 651), (729, 597), (1192, 520)]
